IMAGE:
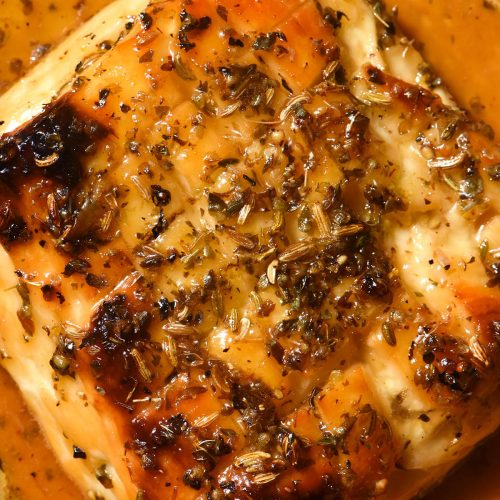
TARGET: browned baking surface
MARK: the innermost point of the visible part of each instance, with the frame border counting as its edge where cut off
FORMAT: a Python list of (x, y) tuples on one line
[(476, 478), (460, 39)]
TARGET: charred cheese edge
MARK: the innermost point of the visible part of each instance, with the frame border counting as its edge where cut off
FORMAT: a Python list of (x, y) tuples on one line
[(249, 250)]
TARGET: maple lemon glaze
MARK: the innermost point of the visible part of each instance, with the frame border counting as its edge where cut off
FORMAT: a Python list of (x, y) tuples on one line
[(374, 366)]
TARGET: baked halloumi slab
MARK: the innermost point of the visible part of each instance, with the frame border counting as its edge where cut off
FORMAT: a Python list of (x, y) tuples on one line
[(250, 250)]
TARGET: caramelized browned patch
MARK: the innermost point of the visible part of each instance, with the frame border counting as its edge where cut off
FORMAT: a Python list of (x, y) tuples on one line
[(41, 171)]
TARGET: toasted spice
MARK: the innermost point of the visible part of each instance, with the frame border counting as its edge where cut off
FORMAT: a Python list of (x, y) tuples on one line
[(188, 24), (267, 41), (25, 313)]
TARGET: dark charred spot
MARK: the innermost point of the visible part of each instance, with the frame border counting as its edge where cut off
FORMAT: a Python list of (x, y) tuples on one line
[(150, 438), (247, 84), (375, 283), (166, 433), (194, 476), (493, 272), (494, 329), (118, 337), (254, 401), (103, 97), (333, 17), (165, 307), (124, 108), (116, 326), (344, 130), (235, 42), (444, 364), (52, 292), (79, 266), (49, 152), (152, 261), (383, 198), (51, 146), (188, 24), (160, 226), (146, 20), (267, 41), (79, 453), (375, 75), (276, 350), (160, 196), (13, 228), (96, 281), (294, 358)]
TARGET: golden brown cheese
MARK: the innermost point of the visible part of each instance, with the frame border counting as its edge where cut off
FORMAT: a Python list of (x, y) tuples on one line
[(250, 252)]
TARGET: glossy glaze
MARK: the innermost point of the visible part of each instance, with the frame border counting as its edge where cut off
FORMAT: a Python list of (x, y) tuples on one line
[(28, 29), (29, 466), (460, 40)]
